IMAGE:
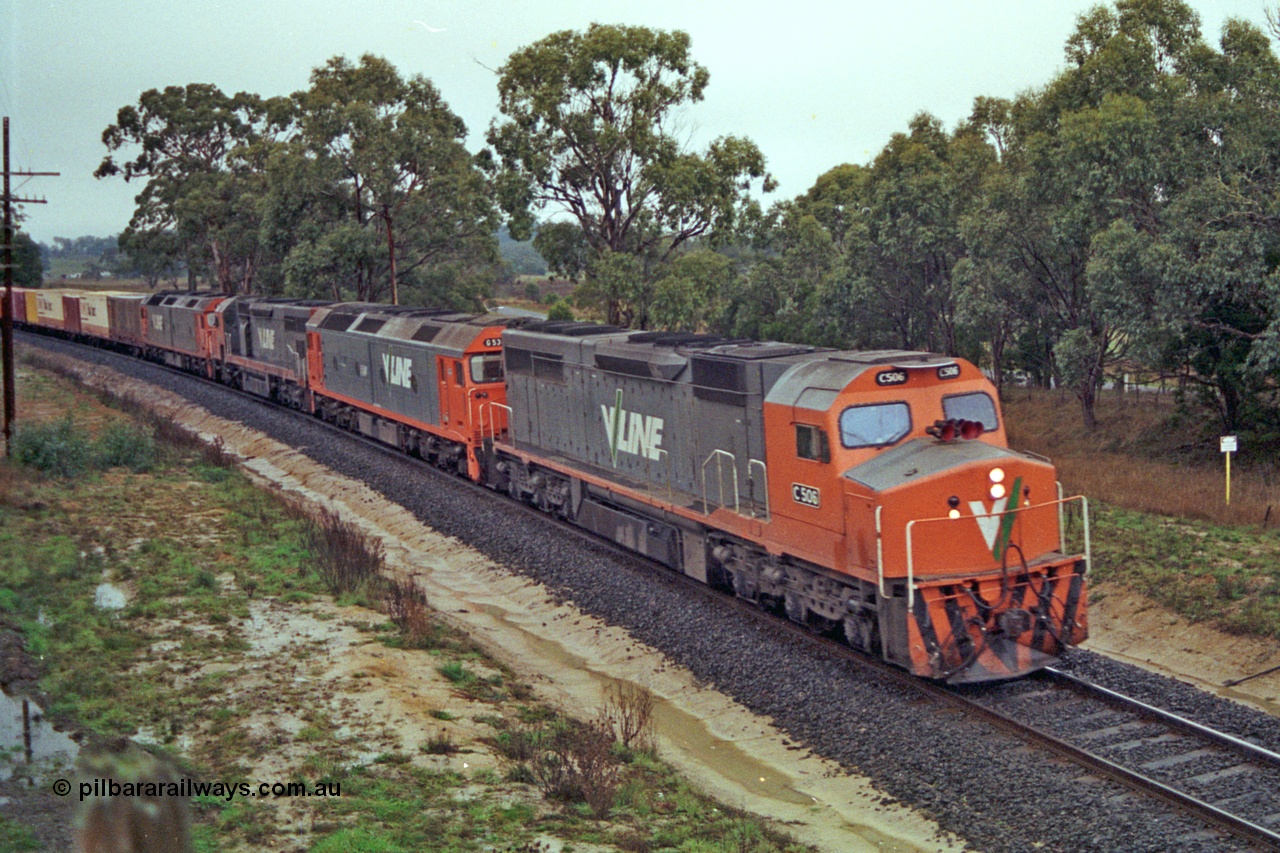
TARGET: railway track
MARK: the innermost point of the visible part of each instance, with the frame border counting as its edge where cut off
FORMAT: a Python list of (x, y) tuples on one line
[(1229, 783), (1223, 781)]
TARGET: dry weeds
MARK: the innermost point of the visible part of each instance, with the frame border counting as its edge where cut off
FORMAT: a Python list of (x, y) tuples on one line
[(1140, 459), (628, 713)]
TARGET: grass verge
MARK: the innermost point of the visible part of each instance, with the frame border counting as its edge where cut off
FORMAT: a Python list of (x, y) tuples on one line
[(232, 659), (1161, 525)]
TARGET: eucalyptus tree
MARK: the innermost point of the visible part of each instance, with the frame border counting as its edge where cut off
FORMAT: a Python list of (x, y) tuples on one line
[(1094, 150), (399, 192), (1225, 226), (590, 132), (783, 293), (198, 200)]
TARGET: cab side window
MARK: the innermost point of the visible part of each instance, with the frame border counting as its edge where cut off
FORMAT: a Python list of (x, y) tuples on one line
[(811, 443)]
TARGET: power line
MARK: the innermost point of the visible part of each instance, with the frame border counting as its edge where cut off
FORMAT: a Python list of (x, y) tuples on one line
[(6, 325)]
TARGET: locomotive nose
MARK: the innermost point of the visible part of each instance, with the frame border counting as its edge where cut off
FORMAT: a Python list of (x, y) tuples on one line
[(970, 549)]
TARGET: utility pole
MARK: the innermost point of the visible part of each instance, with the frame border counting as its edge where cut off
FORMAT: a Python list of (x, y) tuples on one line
[(6, 314)]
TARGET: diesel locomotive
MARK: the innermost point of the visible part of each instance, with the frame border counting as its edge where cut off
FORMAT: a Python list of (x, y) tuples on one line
[(868, 495)]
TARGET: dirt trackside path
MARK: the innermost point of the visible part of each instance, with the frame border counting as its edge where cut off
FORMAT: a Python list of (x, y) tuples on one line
[(569, 657)]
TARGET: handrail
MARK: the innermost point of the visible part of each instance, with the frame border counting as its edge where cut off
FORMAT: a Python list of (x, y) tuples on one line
[(648, 473), (911, 586), (880, 552), (493, 420), (765, 471), (733, 460), (1062, 525)]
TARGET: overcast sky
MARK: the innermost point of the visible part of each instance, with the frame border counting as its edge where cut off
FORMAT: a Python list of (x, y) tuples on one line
[(814, 83)]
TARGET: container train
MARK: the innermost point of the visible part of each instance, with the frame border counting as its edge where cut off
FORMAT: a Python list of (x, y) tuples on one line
[(869, 495)]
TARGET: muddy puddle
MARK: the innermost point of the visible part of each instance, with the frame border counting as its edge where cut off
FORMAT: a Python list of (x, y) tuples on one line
[(30, 748), (570, 658), (108, 596)]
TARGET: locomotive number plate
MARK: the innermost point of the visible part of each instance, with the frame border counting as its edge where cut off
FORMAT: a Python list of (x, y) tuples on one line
[(891, 377), (949, 371), (807, 495), (493, 342)]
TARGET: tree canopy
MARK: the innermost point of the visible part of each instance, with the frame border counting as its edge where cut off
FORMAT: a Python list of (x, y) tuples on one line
[(358, 187), (1122, 218), (198, 198), (589, 132)]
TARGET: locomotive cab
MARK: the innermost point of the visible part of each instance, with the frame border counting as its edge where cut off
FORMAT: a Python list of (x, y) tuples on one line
[(957, 540)]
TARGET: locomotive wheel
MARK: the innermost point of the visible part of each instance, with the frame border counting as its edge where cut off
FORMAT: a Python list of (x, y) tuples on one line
[(796, 611), (860, 632), (719, 577)]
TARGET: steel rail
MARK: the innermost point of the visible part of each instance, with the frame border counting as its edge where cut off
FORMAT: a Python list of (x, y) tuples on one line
[(1142, 708), (1233, 824)]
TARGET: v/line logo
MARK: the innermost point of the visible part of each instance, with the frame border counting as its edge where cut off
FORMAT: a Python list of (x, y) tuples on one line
[(989, 522), (266, 338), (631, 432), (997, 525), (398, 370)]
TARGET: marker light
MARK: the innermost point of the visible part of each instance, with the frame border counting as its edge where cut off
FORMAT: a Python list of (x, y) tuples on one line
[(997, 491), (953, 428), (997, 475)]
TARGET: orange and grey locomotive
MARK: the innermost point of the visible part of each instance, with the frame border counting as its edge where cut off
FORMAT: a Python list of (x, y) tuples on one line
[(870, 494)]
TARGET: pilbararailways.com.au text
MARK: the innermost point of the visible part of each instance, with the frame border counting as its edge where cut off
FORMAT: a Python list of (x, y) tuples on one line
[(189, 788)]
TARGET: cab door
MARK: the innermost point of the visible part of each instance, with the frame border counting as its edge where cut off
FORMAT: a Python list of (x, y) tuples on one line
[(453, 393)]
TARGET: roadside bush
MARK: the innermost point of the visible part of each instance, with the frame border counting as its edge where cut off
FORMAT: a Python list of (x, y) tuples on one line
[(440, 744), (126, 445), (345, 556), (560, 310), (63, 449), (59, 448), (577, 764), (628, 714), (407, 609), (567, 760)]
